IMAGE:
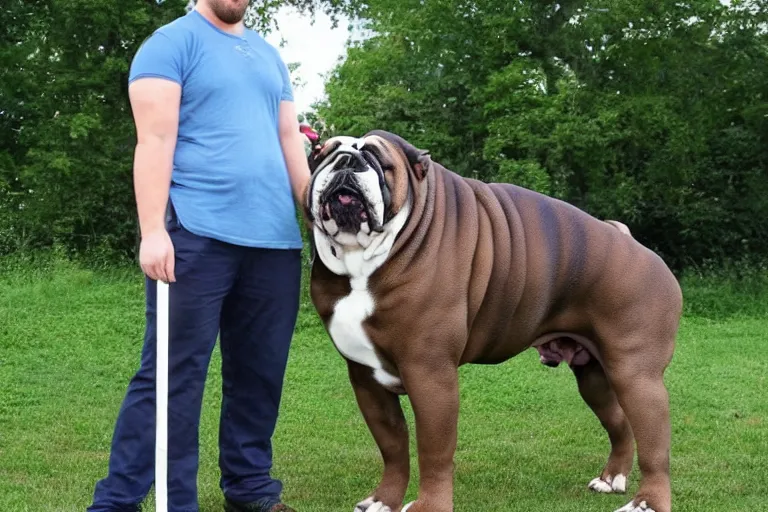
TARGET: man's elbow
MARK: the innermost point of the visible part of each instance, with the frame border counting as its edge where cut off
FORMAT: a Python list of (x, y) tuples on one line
[(156, 138), (154, 148)]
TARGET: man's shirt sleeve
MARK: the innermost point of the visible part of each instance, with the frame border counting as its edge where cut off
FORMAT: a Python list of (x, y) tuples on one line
[(159, 56), (287, 94)]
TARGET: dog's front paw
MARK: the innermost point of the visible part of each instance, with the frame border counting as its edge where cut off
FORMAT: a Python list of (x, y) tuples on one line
[(631, 507), (407, 506), (369, 505), (609, 484)]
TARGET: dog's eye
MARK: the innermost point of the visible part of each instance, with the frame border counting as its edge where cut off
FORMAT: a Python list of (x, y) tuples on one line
[(369, 158)]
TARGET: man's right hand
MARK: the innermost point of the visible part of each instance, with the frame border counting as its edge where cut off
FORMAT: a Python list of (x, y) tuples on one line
[(156, 256)]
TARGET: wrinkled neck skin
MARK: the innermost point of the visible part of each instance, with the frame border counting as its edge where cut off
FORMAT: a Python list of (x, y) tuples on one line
[(421, 201), (404, 233)]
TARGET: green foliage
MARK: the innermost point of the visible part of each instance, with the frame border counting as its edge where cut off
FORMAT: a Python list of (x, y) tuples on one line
[(72, 144), (735, 290), (66, 130), (652, 113), (649, 112)]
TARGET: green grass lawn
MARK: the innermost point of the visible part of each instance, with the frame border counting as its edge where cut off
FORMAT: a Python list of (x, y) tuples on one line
[(70, 340)]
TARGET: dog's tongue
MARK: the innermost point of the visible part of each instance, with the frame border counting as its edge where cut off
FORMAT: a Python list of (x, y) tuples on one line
[(346, 199)]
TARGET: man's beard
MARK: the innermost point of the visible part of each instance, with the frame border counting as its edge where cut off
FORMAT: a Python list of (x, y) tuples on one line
[(228, 14)]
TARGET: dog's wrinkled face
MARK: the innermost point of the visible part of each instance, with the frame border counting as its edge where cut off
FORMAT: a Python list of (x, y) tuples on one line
[(358, 186)]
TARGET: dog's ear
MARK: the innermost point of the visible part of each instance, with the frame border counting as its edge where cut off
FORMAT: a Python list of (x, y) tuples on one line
[(419, 159)]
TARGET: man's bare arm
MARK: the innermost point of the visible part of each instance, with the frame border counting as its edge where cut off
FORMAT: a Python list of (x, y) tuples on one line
[(155, 104), (293, 151)]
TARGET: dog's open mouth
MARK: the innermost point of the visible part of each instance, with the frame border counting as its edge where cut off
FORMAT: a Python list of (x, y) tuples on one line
[(347, 208)]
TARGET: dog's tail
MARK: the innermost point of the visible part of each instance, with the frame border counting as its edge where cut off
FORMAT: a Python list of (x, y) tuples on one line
[(620, 226)]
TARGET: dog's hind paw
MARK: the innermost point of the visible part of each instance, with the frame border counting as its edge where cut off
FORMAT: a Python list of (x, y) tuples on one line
[(617, 484), (631, 507), (408, 506), (368, 505)]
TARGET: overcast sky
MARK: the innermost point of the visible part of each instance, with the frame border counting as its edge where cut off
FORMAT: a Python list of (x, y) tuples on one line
[(317, 47)]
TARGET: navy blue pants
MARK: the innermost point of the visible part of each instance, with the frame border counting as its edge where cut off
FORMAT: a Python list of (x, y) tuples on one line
[(250, 297)]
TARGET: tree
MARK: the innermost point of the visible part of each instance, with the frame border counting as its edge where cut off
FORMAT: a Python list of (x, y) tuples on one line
[(651, 112), (66, 133)]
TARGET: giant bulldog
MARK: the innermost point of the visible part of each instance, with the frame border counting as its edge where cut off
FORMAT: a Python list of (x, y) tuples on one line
[(419, 270)]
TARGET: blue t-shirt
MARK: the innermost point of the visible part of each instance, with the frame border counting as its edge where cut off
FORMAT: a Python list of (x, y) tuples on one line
[(229, 180)]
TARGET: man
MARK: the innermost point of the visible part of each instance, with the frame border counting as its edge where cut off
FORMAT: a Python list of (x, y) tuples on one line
[(218, 164)]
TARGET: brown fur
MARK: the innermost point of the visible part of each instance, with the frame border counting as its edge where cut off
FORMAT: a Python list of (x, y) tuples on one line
[(479, 274)]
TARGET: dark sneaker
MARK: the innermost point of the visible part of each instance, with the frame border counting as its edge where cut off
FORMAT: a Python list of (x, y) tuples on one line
[(262, 505)]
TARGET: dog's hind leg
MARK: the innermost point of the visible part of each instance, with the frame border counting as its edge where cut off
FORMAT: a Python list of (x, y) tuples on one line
[(597, 392), (637, 379)]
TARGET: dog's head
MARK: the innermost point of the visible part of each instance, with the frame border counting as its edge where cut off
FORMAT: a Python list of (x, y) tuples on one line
[(359, 185)]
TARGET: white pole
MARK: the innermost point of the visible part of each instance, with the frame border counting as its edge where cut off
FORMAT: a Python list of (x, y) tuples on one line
[(161, 399)]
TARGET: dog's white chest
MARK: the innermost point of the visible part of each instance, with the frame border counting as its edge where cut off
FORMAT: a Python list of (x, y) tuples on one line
[(349, 336)]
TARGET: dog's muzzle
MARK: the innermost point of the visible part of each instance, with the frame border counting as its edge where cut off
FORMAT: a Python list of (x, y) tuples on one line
[(343, 202), (342, 199)]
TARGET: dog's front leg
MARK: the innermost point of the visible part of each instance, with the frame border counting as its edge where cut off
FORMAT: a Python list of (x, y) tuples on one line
[(433, 389), (384, 416)]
